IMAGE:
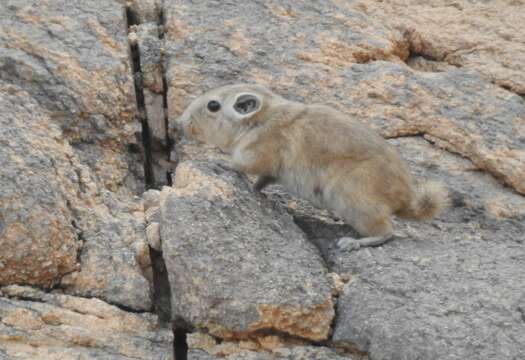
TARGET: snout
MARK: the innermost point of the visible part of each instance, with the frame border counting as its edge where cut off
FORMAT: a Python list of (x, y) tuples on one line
[(178, 126)]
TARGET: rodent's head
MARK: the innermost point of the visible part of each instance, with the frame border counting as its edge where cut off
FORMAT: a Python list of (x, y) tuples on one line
[(217, 116)]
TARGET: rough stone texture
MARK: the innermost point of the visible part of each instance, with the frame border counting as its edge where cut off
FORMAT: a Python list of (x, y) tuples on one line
[(68, 214), (453, 288), (38, 238), (144, 10), (149, 46), (458, 108), (72, 57), (57, 226), (37, 325), (266, 42), (485, 36), (205, 347), (237, 265), (147, 52), (442, 74)]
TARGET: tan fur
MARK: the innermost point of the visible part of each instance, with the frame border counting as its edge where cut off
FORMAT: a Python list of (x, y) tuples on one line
[(317, 153)]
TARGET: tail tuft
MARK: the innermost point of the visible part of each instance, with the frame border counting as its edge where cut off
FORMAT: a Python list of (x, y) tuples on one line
[(429, 200)]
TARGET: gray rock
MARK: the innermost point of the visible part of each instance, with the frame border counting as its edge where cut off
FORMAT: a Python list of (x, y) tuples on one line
[(341, 65), (144, 10), (38, 325), (59, 226), (294, 353), (69, 210), (454, 33), (454, 287), (38, 236), (72, 58), (205, 347), (237, 265)]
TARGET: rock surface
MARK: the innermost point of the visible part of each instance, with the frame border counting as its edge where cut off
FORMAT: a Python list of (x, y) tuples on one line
[(205, 347), (68, 210), (38, 325), (454, 287), (490, 38), (433, 75), (72, 57), (442, 79), (237, 265), (458, 108)]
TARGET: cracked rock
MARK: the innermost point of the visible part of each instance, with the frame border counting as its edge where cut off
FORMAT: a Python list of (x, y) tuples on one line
[(238, 265), (453, 287), (69, 215), (458, 108), (38, 325)]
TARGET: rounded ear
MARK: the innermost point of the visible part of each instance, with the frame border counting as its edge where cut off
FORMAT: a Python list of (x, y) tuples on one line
[(246, 105)]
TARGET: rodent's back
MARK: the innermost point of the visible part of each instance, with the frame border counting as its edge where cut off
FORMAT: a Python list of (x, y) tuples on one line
[(329, 147)]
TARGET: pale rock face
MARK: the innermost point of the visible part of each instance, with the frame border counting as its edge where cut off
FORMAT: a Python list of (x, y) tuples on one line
[(38, 325), (67, 202), (238, 265), (484, 36), (255, 276), (445, 76)]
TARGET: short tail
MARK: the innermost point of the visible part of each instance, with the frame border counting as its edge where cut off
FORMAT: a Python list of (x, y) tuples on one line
[(429, 200)]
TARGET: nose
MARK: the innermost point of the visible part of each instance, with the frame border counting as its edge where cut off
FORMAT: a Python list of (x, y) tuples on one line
[(175, 126)]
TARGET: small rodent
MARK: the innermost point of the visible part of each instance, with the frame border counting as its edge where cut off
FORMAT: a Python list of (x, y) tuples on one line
[(317, 153)]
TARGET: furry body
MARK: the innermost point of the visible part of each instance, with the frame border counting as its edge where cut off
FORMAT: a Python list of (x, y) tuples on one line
[(317, 153)]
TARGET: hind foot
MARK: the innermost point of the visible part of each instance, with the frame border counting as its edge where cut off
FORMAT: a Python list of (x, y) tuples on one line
[(349, 244)]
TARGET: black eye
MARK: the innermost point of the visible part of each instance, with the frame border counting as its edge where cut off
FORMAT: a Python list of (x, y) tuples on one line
[(214, 106)]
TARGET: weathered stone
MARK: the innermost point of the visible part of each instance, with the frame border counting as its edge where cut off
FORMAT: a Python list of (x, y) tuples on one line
[(38, 234), (238, 265), (151, 199), (69, 178), (153, 235), (144, 10), (147, 52), (203, 346), (266, 42), (54, 214), (72, 57), (477, 35), (294, 353), (457, 108), (453, 287), (38, 325)]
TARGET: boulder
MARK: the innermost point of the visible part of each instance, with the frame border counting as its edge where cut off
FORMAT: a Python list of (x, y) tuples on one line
[(451, 288), (38, 325), (238, 266), (70, 168), (458, 109)]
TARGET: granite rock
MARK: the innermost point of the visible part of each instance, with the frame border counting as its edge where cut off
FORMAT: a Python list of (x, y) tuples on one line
[(238, 266), (38, 325)]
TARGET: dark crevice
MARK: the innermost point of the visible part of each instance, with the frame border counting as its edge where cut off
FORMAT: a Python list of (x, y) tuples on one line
[(161, 287), (169, 141), (180, 344), (521, 310), (131, 20)]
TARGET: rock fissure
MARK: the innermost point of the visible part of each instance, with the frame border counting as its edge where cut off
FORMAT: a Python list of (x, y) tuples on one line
[(134, 54), (156, 148)]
